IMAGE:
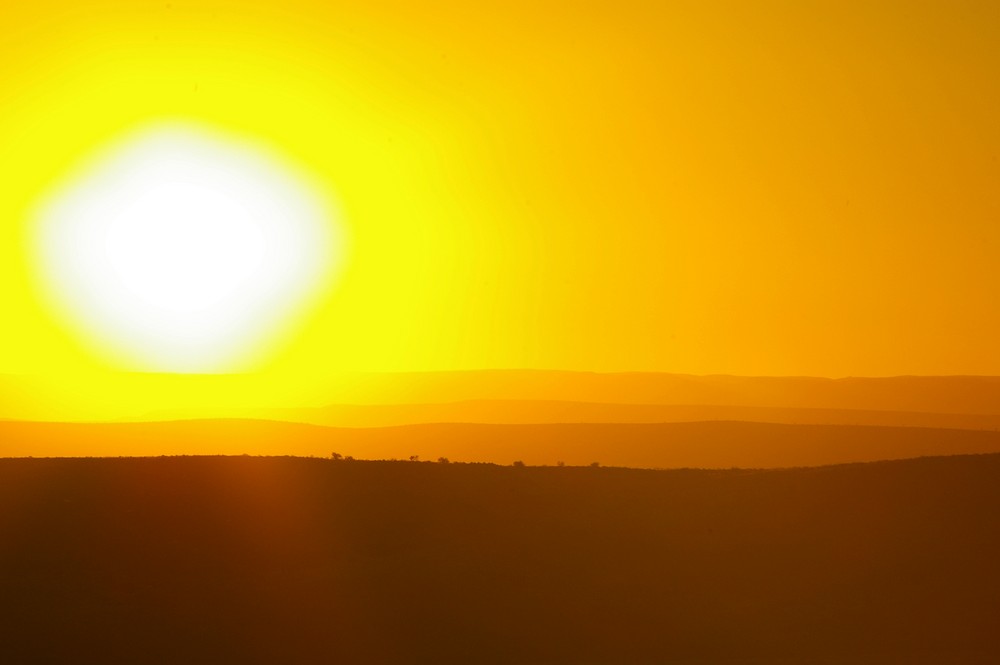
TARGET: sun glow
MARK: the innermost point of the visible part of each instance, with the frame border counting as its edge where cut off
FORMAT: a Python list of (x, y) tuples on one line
[(180, 250), (688, 187)]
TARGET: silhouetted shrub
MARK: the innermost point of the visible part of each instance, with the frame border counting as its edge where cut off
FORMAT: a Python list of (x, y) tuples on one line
[(518, 463), (443, 460)]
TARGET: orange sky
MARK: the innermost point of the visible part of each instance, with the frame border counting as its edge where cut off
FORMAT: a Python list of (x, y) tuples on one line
[(762, 188)]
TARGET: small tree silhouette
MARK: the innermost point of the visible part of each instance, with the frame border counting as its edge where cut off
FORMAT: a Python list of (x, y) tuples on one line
[(595, 464), (414, 458), (518, 463), (336, 456), (443, 460)]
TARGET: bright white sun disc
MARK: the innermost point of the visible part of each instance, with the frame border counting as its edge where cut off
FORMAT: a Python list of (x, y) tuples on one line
[(183, 251)]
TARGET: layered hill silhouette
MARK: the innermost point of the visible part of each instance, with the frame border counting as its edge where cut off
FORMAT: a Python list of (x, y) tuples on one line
[(537, 412), (665, 445), (539, 417), (296, 561)]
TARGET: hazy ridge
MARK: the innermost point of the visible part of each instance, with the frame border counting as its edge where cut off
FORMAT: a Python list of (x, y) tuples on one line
[(537, 412), (667, 445)]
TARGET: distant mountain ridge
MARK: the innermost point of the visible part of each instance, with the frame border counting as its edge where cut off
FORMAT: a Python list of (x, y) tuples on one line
[(537, 412), (715, 445)]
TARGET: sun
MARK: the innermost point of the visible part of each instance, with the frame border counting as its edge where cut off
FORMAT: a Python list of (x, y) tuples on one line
[(181, 249)]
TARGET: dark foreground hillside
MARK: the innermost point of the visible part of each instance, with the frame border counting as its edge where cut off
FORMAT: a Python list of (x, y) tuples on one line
[(285, 560)]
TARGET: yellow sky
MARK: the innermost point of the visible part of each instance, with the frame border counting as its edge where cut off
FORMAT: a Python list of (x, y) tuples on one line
[(749, 188)]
